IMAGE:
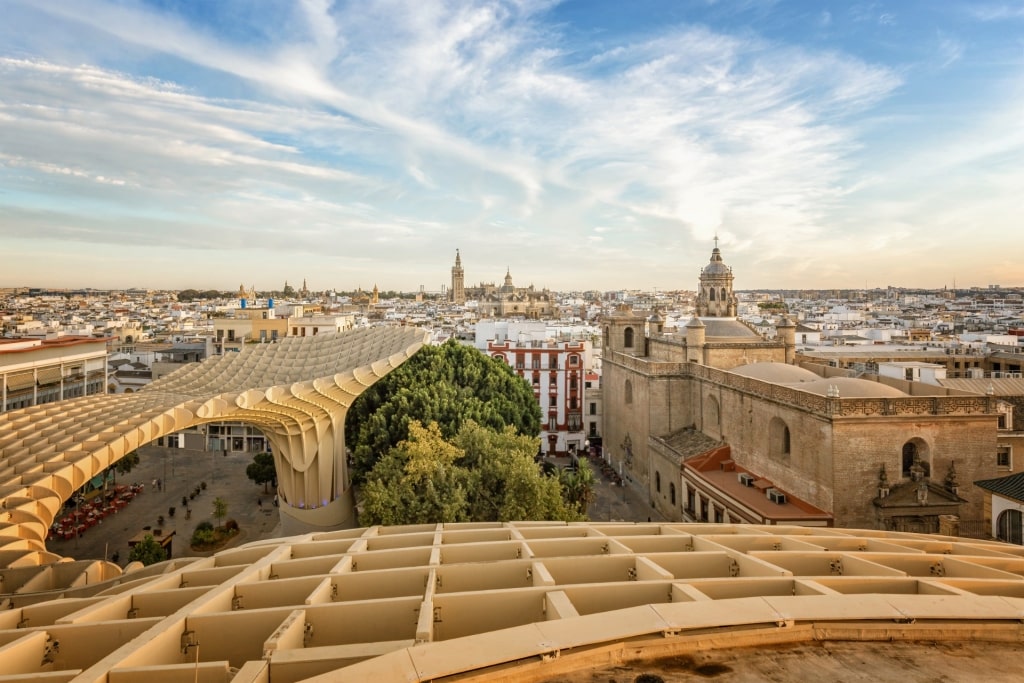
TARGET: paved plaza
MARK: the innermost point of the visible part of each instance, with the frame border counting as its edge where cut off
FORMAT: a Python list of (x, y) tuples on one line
[(179, 471)]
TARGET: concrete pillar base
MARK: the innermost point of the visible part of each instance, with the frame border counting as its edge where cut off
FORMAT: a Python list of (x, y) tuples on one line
[(339, 514)]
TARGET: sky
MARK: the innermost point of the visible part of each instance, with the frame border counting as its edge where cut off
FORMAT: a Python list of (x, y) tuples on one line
[(584, 144)]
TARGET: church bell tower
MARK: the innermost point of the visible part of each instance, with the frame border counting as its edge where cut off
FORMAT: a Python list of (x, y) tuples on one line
[(458, 293), (715, 298)]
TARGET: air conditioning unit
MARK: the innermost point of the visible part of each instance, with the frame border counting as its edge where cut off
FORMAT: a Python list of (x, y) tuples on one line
[(746, 478), (776, 496)]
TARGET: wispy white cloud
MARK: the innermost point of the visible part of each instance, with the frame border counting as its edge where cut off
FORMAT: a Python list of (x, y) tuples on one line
[(996, 11), (392, 132), (950, 50)]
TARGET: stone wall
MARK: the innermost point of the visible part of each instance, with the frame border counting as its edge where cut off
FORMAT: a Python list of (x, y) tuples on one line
[(864, 445), (836, 445), (746, 425)]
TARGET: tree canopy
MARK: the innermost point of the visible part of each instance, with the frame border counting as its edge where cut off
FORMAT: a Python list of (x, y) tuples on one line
[(478, 475), (193, 294), (147, 551), (261, 470), (450, 385)]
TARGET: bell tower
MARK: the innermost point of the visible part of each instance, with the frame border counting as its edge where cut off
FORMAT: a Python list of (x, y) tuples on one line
[(458, 293), (715, 298)]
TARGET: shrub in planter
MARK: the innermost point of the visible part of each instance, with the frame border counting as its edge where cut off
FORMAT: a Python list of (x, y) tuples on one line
[(203, 536)]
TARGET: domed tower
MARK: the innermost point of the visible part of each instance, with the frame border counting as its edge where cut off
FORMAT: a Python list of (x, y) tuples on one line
[(458, 292), (508, 286), (715, 298)]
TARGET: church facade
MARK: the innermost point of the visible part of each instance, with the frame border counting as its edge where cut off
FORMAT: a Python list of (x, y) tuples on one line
[(718, 424), (505, 301)]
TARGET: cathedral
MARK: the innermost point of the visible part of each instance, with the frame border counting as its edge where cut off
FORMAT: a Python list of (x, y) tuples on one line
[(506, 301), (718, 424)]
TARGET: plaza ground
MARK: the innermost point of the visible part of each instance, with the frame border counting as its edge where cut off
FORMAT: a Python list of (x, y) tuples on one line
[(181, 470)]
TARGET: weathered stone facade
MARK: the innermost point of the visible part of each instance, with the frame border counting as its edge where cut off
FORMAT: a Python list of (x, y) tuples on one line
[(816, 445)]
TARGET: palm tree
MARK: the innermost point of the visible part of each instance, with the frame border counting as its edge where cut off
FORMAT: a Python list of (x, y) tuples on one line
[(578, 486)]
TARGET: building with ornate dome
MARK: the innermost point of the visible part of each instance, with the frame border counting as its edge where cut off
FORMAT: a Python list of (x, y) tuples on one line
[(504, 301), (717, 424)]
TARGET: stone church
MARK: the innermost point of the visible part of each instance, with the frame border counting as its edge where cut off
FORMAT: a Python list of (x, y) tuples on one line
[(504, 301), (718, 424)]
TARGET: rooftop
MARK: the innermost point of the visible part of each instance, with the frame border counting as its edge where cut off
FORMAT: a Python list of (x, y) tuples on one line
[(528, 601)]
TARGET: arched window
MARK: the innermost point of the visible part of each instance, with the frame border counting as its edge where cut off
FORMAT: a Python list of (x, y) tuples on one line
[(627, 338), (628, 392), (724, 298), (711, 294), (909, 453), (672, 493), (1008, 527), (657, 482), (913, 451), (779, 439), (712, 417)]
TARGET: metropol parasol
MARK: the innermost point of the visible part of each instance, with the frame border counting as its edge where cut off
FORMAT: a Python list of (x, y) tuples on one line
[(474, 601)]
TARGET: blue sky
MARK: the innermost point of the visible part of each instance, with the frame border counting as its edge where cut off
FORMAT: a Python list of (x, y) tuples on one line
[(581, 145)]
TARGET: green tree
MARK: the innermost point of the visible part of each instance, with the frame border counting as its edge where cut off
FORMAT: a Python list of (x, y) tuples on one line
[(578, 486), (449, 384), (480, 475), (505, 482), (416, 482), (125, 464), (147, 551), (261, 470), (220, 509)]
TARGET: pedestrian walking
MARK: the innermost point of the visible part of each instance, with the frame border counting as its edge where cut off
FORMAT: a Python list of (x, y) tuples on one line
[(259, 503)]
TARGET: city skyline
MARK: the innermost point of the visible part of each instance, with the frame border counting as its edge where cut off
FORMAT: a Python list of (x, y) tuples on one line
[(581, 145)]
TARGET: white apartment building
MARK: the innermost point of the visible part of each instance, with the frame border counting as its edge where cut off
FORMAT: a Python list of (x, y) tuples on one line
[(557, 370)]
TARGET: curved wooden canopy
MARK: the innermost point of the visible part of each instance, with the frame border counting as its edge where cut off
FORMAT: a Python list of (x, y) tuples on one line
[(296, 390)]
